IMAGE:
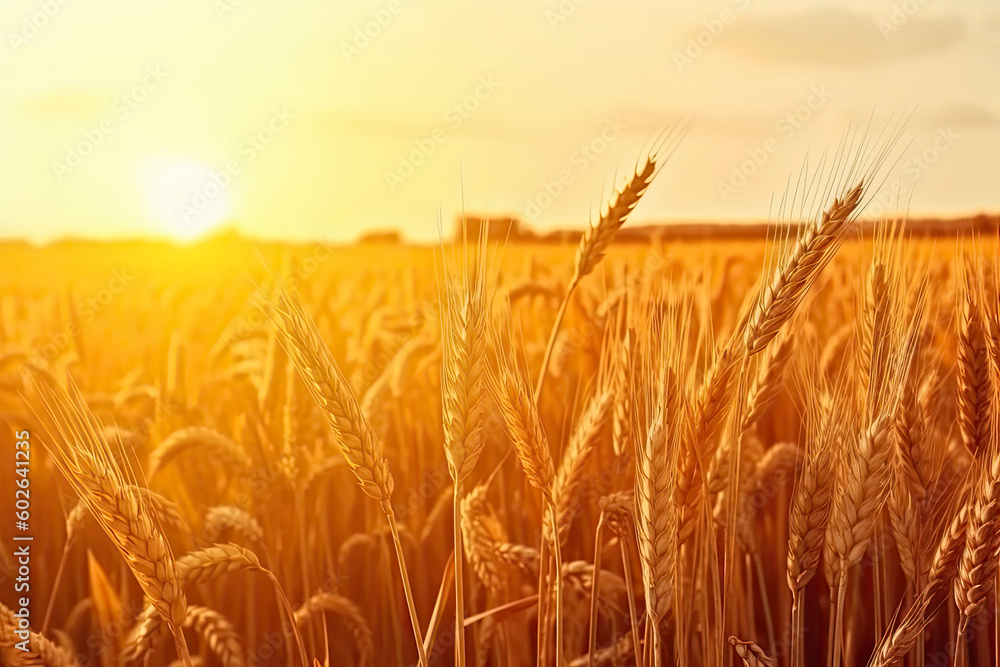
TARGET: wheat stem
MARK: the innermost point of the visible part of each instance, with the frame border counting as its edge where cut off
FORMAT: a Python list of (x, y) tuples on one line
[(459, 584)]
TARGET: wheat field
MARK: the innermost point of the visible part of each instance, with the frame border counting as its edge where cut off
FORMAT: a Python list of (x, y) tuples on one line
[(771, 452)]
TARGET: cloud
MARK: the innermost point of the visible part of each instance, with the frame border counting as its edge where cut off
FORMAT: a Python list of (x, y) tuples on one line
[(990, 22), (841, 37), (962, 114), (74, 105)]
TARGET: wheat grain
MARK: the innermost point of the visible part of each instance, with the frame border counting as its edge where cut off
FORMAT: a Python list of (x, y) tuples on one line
[(346, 609), (220, 518), (778, 298), (219, 633), (193, 437), (751, 654), (84, 457)]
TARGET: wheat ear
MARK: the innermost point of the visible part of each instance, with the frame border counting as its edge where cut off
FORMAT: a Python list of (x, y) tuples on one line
[(201, 438), (361, 448), (346, 609), (808, 517), (792, 278), (463, 392), (198, 567), (711, 405), (895, 645), (219, 633), (978, 564), (523, 426), (594, 244), (974, 388), (84, 457), (40, 651), (166, 510), (485, 542), (220, 518), (655, 514), (572, 468)]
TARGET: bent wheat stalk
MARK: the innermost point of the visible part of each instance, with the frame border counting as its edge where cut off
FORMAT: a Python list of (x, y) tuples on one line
[(361, 448), (524, 428), (774, 305), (594, 244), (83, 455), (36, 650)]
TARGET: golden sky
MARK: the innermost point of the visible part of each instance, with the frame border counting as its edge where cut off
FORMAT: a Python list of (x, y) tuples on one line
[(310, 119)]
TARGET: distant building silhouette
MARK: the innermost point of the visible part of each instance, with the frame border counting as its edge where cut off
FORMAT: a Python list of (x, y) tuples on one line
[(512, 229), (384, 237), (500, 228)]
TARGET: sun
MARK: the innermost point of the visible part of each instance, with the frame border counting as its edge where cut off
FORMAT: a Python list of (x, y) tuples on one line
[(187, 198)]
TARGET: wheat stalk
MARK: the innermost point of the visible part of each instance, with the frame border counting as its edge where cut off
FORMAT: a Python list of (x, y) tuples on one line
[(572, 468), (84, 457), (978, 565), (594, 243), (711, 405), (202, 438), (346, 609), (974, 388), (809, 514), (218, 632), (358, 443), (483, 538), (655, 515), (199, 567), (816, 245), (39, 649), (221, 518), (463, 393)]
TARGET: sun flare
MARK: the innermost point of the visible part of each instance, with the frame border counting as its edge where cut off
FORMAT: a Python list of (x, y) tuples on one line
[(187, 199)]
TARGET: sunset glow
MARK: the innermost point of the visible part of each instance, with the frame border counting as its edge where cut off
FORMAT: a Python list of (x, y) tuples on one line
[(389, 110), (187, 199), (525, 333)]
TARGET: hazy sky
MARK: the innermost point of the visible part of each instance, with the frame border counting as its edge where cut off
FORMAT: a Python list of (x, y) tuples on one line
[(319, 119)]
